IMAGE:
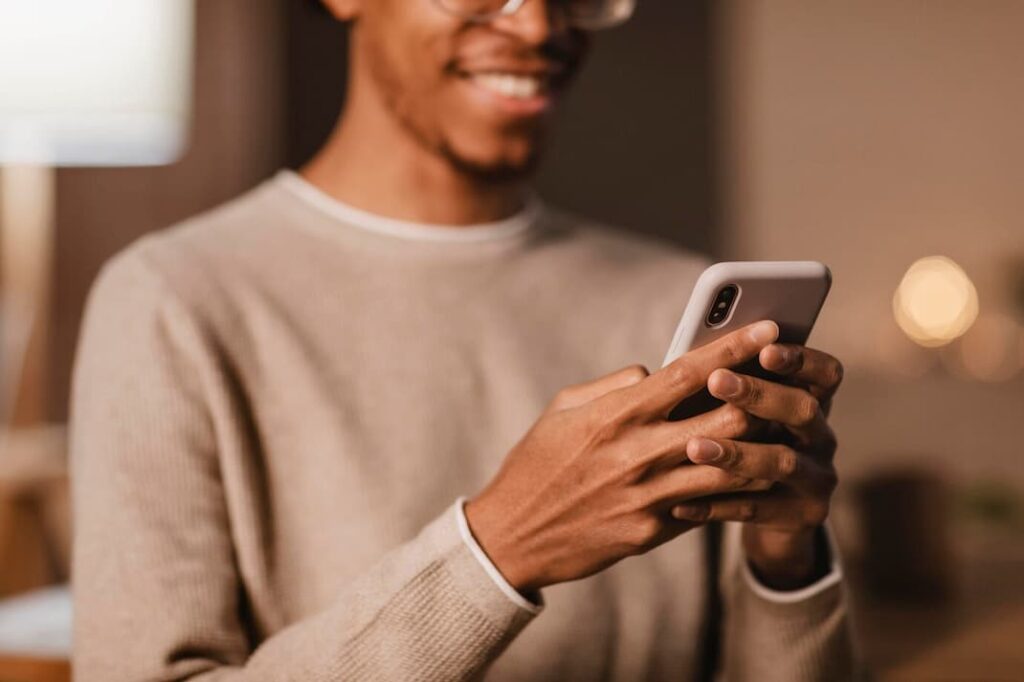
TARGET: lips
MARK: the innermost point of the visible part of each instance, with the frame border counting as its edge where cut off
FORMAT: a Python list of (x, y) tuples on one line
[(517, 86), (518, 89)]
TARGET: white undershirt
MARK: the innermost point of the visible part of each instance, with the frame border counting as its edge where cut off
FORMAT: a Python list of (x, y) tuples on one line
[(407, 229), (778, 596)]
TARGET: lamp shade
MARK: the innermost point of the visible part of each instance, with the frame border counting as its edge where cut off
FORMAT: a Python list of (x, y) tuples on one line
[(95, 82)]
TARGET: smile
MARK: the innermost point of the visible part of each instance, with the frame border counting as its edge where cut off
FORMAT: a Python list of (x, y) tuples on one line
[(516, 86)]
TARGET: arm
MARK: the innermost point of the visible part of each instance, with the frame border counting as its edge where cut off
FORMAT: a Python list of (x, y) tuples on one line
[(157, 592), (791, 635), (784, 602)]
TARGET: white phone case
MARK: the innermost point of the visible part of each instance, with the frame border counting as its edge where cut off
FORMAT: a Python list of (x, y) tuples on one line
[(789, 292)]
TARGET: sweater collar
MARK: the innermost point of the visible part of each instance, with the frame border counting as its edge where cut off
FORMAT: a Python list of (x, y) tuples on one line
[(333, 208)]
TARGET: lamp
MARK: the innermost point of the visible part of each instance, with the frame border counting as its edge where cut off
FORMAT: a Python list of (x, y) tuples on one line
[(82, 83)]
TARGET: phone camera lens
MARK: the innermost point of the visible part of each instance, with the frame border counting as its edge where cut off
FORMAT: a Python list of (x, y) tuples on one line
[(722, 305)]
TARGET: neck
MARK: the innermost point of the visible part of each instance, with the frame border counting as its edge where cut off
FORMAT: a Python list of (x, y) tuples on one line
[(373, 163)]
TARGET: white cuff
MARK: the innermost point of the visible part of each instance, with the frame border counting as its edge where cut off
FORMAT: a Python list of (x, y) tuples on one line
[(491, 570), (833, 577)]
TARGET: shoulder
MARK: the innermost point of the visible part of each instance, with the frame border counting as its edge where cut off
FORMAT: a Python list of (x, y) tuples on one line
[(624, 251), (192, 259)]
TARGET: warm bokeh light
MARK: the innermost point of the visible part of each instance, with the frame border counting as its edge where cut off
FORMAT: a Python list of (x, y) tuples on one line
[(936, 302), (991, 350)]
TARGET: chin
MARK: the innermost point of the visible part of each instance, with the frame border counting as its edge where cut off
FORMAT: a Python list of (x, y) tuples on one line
[(497, 160)]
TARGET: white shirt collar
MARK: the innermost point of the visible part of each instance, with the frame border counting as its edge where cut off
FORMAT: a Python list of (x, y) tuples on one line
[(405, 229)]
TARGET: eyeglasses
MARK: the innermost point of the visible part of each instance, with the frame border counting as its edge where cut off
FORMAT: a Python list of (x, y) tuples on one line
[(588, 15)]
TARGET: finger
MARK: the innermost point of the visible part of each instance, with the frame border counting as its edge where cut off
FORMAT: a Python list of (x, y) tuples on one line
[(790, 406), (763, 508), (820, 372), (690, 482), (766, 461), (743, 508), (753, 460), (667, 441), (580, 394), (664, 389)]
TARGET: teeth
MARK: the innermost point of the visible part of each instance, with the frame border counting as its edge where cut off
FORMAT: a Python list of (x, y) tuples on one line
[(509, 84)]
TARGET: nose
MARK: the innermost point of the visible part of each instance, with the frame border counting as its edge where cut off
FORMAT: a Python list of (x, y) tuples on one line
[(535, 22)]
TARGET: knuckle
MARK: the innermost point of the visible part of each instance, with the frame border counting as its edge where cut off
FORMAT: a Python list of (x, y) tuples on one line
[(680, 375), (616, 417), (645, 531), (807, 411), (740, 482), (634, 374), (835, 374), (564, 397), (697, 512), (733, 348), (638, 499), (732, 456), (760, 485), (600, 433), (788, 464), (746, 510), (752, 392), (622, 459), (737, 421)]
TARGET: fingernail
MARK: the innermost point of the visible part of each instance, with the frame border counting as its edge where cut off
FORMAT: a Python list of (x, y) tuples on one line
[(703, 450), (689, 512), (726, 384), (787, 356), (764, 333)]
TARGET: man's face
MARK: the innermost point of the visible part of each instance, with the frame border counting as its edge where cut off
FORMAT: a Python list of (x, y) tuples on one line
[(478, 94)]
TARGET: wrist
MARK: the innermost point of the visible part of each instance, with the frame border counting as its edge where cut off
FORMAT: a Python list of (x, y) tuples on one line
[(498, 545), (785, 560)]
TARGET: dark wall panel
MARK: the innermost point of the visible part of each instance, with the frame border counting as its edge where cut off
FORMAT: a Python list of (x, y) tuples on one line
[(633, 146)]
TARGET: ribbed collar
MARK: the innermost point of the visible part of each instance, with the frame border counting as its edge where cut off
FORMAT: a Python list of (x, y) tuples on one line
[(332, 208)]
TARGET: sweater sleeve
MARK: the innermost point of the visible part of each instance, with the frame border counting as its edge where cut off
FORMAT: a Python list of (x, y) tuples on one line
[(768, 635), (157, 593)]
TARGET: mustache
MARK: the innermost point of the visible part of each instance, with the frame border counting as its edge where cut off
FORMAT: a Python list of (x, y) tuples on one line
[(562, 55)]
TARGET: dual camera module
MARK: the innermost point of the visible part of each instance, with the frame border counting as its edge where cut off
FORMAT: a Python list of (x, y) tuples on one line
[(722, 305)]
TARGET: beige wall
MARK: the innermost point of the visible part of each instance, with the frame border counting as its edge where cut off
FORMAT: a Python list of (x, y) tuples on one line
[(237, 139), (868, 134)]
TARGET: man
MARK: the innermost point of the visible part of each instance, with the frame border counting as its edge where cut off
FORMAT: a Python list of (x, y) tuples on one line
[(278, 406)]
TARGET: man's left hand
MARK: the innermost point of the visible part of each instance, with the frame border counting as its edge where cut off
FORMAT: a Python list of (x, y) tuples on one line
[(780, 524)]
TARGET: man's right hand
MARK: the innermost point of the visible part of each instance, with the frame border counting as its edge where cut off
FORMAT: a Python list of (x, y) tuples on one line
[(594, 480)]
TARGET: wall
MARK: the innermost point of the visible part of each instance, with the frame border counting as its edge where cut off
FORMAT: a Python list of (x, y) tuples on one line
[(237, 140), (868, 134), (635, 144)]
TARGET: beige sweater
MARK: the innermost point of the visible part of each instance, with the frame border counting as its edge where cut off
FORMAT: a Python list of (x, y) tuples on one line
[(277, 404)]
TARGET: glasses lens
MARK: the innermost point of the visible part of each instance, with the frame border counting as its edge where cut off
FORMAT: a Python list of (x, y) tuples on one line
[(588, 15), (591, 15)]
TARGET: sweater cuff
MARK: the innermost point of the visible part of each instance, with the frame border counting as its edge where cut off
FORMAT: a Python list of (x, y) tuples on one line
[(830, 579), (488, 566)]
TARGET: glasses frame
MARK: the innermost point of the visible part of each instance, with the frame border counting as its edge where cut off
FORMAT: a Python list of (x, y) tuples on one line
[(512, 6)]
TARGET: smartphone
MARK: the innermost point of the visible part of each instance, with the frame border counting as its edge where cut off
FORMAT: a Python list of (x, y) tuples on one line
[(728, 296)]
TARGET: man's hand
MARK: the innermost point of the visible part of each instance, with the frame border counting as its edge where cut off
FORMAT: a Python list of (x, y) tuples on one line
[(595, 478), (781, 523)]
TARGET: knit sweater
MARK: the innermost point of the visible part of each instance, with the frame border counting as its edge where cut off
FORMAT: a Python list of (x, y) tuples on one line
[(276, 406)]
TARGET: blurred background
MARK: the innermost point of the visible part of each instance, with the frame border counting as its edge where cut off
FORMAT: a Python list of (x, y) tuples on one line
[(882, 137)]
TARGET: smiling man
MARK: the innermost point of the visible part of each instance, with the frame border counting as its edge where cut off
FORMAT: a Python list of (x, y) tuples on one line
[(279, 407)]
